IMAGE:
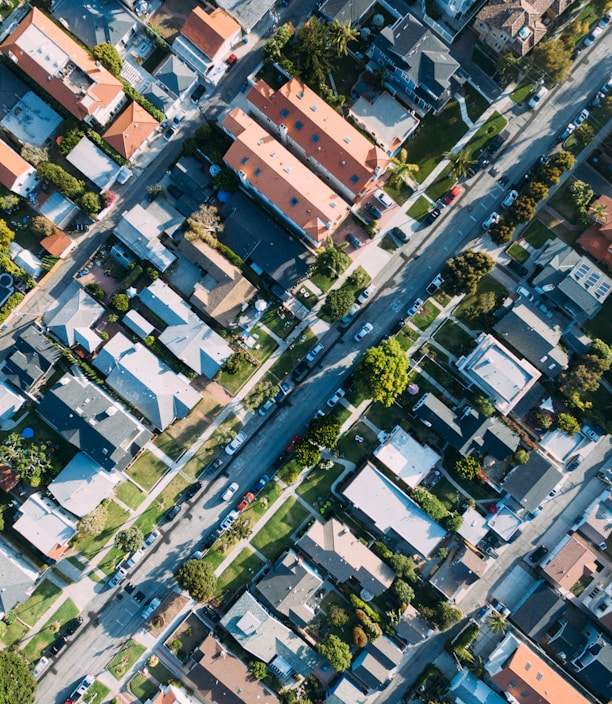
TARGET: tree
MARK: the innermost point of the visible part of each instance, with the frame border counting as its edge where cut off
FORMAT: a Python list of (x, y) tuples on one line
[(601, 349), (552, 58), (483, 405), (337, 652), (338, 303), (452, 522), (109, 57), (129, 540), (359, 278), (93, 523), (323, 432), (359, 637), (6, 236), (382, 372), (90, 203), (402, 591), (205, 223), (17, 685), (42, 226), (65, 183), (521, 457), (34, 154), (9, 202), (562, 160), (501, 232), (497, 623), (154, 191), (509, 66), (522, 209), (198, 578), (446, 615), (460, 162), (120, 302), (273, 48), (583, 134), (549, 174), (568, 424), (431, 504), (463, 272), (584, 377), (599, 212), (337, 616), (536, 191), (581, 195), (315, 52), (306, 454), (402, 170), (96, 290), (332, 262), (259, 669), (403, 566), (340, 34)]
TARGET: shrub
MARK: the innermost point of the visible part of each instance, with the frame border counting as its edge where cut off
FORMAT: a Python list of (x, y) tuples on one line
[(120, 302), (90, 203), (359, 637), (361, 605), (568, 424), (430, 503), (96, 291), (65, 183)]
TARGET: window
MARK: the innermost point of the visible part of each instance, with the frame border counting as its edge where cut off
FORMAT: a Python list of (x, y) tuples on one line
[(524, 695), (257, 171), (539, 676), (528, 666), (512, 684), (284, 113), (315, 138), (244, 159), (298, 125)]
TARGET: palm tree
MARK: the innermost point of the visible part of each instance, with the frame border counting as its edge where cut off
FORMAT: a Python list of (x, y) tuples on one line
[(402, 171), (460, 162), (599, 212), (497, 623), (340, 35)]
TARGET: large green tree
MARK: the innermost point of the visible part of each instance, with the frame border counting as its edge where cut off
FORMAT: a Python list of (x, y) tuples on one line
[(382, 372), (340, 34), (552, 59), (65, 183), (129, 540), (463, 272), (306, 454), (17, 686), (337, 652), (109, 57), (198, 578), (338, 303), (332, 262), (468, 467), (6, 236), (323, 432), (402, 170), (522, 209)]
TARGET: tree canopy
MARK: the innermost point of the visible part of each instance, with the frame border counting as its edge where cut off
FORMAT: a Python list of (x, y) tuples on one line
[(337, 652), (551, 58), (306, 454), (332, 262), (382, 372), (468, 467), (463, 272), (338, 303), (17, 686), (129, 540), (109, 57), (323, 432), (198, 578)]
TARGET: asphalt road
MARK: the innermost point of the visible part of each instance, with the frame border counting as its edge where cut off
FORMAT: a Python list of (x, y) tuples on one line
[(113, 620)]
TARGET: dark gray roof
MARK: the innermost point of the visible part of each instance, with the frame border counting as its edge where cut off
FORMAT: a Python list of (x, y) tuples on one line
[(32, 359), (345, 10), (530, 483), (539, 610), (159, 96), (528, 330), (16, 582), (85, 416), (95, 21), (376, 662), (175, 75)]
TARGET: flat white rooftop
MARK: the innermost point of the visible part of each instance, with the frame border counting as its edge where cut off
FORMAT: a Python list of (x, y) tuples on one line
[(406, 457)]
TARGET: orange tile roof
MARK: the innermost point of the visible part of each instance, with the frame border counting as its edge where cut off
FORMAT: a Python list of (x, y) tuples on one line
[(40, 47), (324, 135), (542, 684), (56, 244), (209, 32), (12, 166), (572, 562), (282, 178), (597, 238), (130, 130)]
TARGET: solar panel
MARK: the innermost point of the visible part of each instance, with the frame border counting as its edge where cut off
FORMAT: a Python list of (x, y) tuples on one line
[(582, 271), (593, 279), (602, 289)]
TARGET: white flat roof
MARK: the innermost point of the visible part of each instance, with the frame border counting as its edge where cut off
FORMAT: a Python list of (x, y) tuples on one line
[(386, 120), (93, 163), (10, 401), (505, 523), (406, 457), (31, 120), (390, 509), (82, 484), (474, 526), (44, 524)]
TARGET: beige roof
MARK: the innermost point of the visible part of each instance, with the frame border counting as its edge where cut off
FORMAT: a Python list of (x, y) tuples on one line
[(512, 15), (12, 166), (573, 561), (209, 32), (269, 168), (130, 130)]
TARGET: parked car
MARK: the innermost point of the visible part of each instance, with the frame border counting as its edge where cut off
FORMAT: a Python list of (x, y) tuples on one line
[(72, 626), (169, 133), (117, 578), (536, 99), (500, 607), (415, 307), (596, 32), (496, 143), (605, 476), (57, 645), (582, 117), (365, 330), (454, 192), (538, 554), (354, 308), (213, 466), (432, 215), (494, 217), (373, 210), (134, 558), (353, 240), (575, 462), (261, 482), (81, 690), (230, 491), (314, 352), (192, 490), (266, 406), (151, 538), (399, 234), (178, 118), (150, 608), (229, 519), (383, 198), (435, 284), (340, 393), (231, 60), (292, 444), (246, 500), (300, 372), (41, 665), (509, 199), (525, 293), (593, 434), (197, 93), (173, 512), (605, 21), (567, 132), (366, 294), (236, 443)]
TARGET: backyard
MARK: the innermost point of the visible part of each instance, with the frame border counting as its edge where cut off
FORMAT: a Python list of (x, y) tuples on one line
[(276, 535), (318, 483)]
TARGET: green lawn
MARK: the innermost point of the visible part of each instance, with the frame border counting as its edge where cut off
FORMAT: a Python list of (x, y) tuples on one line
[(388, 244), (454, 338), (517, 252), (435, 135), (209, 450), (180, 435), (265, 499), (400, 192), (319, 482), (419, 208), (144, 687), (57, 447), (323, 281), (447, 494), (275, 536), (264, 346), (407, 336), (445, 181), (472, 488), (475, 102), (339, 413), (354, 397), (561, 202), (14, 633), (537, 234), (290, 358), (232, 383), (522, 92), (438, 370), (96, 693), (38, 603), (240, 572), (491, 128), (279, 321), (383, 417), (129, 494), (306, 297), (351, 449), (125, 659), (486, 284), (147, 470), (89, 545), (47, 634), (425, 317)]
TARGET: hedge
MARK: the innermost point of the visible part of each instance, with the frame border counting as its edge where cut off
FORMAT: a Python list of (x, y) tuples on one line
[(134, 95), (13, 301)]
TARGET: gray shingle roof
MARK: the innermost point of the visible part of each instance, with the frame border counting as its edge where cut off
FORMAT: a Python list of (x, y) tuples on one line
[(176, 75), (530, 483), (32, 358), (76, 311), (96, 21), (346, 10)]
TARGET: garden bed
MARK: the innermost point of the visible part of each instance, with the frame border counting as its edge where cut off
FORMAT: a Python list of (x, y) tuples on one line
[(187, 637)]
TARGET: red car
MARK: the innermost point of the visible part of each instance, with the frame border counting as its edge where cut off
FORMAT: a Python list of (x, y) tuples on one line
[(246, 500), (293, 444), (451, 195), (231, 60)]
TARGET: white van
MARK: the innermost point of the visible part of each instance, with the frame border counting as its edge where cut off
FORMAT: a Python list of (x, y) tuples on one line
[(383, 198)]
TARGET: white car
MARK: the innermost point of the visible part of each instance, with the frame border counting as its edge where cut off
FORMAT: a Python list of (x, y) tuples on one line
[(81, 689), (494, 217), (150, 608), (582, 117), (365, 330), (567, 132), (509, 199), (383, 198), (593, 35), (340, 393), (135, 558), (314, 352), (230, 491), (537, 98), (233, 446), (229, 519), (366, 294), (117, 578), (416, 306), (41, 665)]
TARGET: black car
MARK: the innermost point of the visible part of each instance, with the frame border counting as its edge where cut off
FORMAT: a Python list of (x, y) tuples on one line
[(173, 512), (399, 234), (58, 644), (192, 490), (197, 93), (373, 210), (300, 372), (538, 554), (214, 465), (71, 627), (517, 267), (432, 215)]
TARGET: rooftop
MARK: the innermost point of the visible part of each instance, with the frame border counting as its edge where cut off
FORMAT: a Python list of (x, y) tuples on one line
[(597, 238), (386, 120), (530, 483), (175, 74), (247, 13), (17, 578), (131, 130), (45, 525), (73, 316), (571, 562), (209, 32), (505, 522), (377, 662), (95, 22), (31, 120), (92, 162), (13, 168), (31, 358), (406, 457)]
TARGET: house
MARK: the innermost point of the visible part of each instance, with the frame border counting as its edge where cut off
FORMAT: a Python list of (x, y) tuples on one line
[(219, 677), (207, 38), (535, 336), (71, 320), (56, 208), (145, 382), (16, 173), (596, 525), (30, 120), (223, 291), (519, 671), (460, 570), (538, 610), (392, 512), (529, 484), (8, 478), (10, 402), (187, 336), (346, 11), (62, 68), (597, 238), (93, 163), (419, 68), (25, 259), (131, 131), (293, 588), (377, 662), (171, 694), (81, 485), (406, 457), (175, 75), (138, 324), (346, 691), (467, 689), (31, 361), (289, 189), (17, 578), (474, 526), (46, 526), (96, 22), (412, 628), (504, 522), (160, 97), (260, 634), (332, 546), (58, 244), (516, 25), (140, 229), (571, 562), (85, 416), (319, 136), (503, 377), (386, 120), (248, 14), (467, 430)]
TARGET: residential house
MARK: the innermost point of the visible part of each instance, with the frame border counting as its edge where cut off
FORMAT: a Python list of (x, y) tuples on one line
[(25, 259), (572, 561), (539, 608), (419, 68), (406, 457), (392, 512), (17, 578), (88, 418), (530, 484), (58, 244), (187, 336), (219, 677), (57, 208), (171, 694), (131, 131), (503, 377), (30, 120), (93, 163), (467, 689), (596, 523), (467, 430), (319, 136), (16, 173), (72, 318), (62, 68), (293, 588), (137, 323), (81, 485), (46, 526), (346, 11), (96, 22), (504, 523), (222, 292), (412, 628), (386, 120), (145, 382), (260, 634), (516, 25), (289, 189), (474, 527), (519, 671), (377, 662), (248, 14), (597, 238), (175, 75), (535, 336), (207, 38), (460, 570), (31, 360), (191, 177), (10, 402), (339, 552), (346, 691)]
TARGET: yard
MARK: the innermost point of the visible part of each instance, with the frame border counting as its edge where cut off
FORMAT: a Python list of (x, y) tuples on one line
[(89, 545), (537, 234), (170, 17), (425, 317), (473, 488), (318, 483), (517, 252), (562, 203), (96, 693), (276, 535), (454, 338), (129, 494), (264, 346), (125, 659), (147, 470), (445, 181), (56, 446), (353, 449), (400, 192), (485, 285), (47, 634), (491, 128), (144, 688), (522, 92), (383, 417), (475, 102), (407, 336), (279, 321), (38, 603), (448, 495), (435, 366), (232, 383), (240, 572), (291, 357), (419, 208), (180, 435), (216, 441), (601, 325)]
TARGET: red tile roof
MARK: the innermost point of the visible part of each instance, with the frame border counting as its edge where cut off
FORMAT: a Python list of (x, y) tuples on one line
[(209, 32), (130, 130), (597, 239), (56, 244), (42, 50), (573, 561), (12, 166), (8, 478)]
